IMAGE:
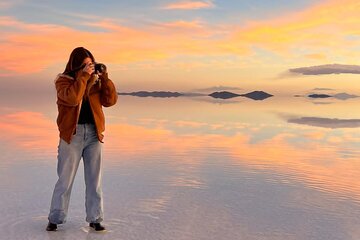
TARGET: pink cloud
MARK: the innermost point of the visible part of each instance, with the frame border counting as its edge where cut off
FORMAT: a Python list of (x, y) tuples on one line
[(190, 5), (183, 24), (5, 4)]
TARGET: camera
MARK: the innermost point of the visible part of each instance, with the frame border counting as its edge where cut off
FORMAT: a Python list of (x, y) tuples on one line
[(100, 68)]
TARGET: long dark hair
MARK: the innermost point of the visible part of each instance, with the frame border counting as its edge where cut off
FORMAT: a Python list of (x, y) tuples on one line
[(76, 60)]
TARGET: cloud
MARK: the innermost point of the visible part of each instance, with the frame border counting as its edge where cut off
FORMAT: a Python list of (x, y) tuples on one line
[(182, 25), (326, 122), (316, 56), (325, 27), (311, 30), (327, 69), (41, 45), (189, 5), (6, 4)]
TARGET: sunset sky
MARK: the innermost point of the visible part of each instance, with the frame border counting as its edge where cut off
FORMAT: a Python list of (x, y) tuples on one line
[(182, 45)]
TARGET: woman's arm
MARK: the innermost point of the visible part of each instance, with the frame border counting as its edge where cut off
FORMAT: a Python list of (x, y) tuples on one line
[(70, 92), (108, 95)]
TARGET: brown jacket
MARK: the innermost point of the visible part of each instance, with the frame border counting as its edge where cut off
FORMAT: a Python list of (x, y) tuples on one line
[(70, 93)]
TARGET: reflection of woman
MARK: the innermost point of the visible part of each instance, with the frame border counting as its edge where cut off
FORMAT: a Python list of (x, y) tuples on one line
[(81, 93)]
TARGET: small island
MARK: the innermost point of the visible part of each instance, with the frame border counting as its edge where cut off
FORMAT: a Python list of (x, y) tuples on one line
[(344, 96), (315, 95), (255, 95), (340, 96), (224, 95)]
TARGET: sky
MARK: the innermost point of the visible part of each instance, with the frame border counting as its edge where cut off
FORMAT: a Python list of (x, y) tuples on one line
[(181, 44)]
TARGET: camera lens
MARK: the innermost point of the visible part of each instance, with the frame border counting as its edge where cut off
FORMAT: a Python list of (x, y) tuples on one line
[(100, 68)]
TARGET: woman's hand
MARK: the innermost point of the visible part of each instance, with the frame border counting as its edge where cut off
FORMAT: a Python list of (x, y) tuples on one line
[(89, 68), (104, 76)]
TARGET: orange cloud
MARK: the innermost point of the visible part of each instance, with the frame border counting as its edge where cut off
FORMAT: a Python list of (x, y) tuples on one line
[(28, 48), (314, 135), (309, 34), (324, 25), (190, 5), (316, 56)]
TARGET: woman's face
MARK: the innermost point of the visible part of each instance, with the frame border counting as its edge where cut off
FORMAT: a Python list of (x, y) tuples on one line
[(87, 60)]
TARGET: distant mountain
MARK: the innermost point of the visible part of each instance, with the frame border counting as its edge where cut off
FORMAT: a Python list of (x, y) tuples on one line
[(344, 96), (315, 95), (340, 96), (257, 95), (224, 95), (153, 94)]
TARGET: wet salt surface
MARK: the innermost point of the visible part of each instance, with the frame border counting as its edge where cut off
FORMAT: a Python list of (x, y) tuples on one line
[(144, 203), (163, 179)]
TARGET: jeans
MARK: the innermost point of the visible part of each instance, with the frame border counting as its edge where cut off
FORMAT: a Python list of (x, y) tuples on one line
[(84, 144)]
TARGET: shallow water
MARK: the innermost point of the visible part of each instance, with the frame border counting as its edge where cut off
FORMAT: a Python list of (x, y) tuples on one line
[(193, 168)]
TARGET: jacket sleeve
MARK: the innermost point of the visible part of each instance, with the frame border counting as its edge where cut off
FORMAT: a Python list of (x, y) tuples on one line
[(70, 92), (109, 95)]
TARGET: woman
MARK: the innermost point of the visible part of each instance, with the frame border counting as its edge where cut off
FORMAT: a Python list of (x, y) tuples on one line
[(81, 93)]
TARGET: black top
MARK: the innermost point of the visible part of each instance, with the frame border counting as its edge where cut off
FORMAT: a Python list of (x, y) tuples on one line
[(86, 115)]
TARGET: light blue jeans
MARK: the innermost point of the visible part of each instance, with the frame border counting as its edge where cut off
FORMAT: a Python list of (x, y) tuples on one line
[(86, 145)]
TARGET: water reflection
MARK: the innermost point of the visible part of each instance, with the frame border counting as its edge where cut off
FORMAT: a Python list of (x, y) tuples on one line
[(311, 157), (232, 170), (29, 130), (327, 122)]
